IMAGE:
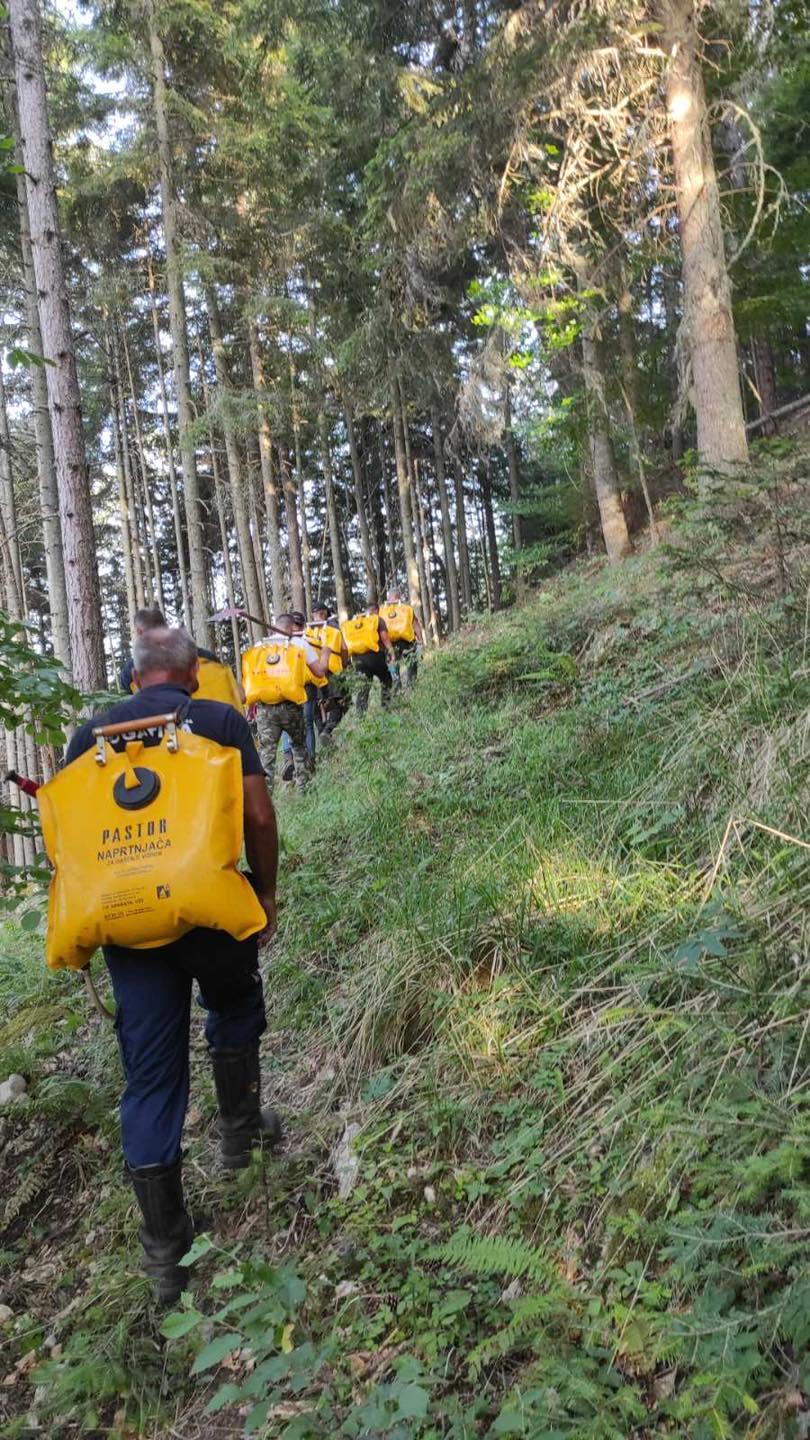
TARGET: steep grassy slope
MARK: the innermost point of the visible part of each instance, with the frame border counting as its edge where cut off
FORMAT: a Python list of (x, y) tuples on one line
[(544, 941)]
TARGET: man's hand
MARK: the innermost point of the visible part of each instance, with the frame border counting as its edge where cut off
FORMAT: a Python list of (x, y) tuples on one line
[(268, 904)]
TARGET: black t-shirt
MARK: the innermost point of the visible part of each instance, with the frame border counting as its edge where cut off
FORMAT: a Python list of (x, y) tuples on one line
[(209, 718), (127, 674)]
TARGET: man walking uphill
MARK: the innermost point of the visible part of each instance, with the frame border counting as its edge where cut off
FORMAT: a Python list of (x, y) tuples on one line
[(369, 646), (152, 987)]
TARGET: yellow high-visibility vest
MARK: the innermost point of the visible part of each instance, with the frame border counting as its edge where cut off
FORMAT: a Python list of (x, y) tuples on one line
[(273, 672), (322, 634), (399, 620), (144, 845), (362, 634)]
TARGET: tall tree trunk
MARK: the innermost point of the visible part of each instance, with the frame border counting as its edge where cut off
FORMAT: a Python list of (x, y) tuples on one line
[(75, 503), (123, 511), (46, 462), (332, 521), (179, 332), (258, 524), (492, 539), (239, 497), (151, 530), (405, 498), (269, 480), (513, 463), (129, 488), (288, 488), (177, 515), (465, 574), (362, 518), (603, 463), (230, 593), (306, 558), (707, 289), (12, 558), (387, 506), (424, 539), (765, 380), (453, 607), (219, 488), (422, 561), (630, 395)]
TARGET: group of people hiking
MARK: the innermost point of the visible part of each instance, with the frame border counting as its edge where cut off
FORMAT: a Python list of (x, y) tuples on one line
[(295, 681), (145, 828)]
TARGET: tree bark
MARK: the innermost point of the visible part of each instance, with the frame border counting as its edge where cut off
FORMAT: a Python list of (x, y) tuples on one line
[(765, 380), (123, 511), (405, 498), (269, 480), (303, 526), (453, 607), (388, 508), (75, 503), (603, 463), (362, 518), (12, 558), (422, 558), (46, 462), (513, 464), (631, 397), (707, 289), (465, 574), (332, 521), (222, 518), (492, 539), (179, 332), (239, 497), (424, 537), (151, 530), (288, 489), (177, 514), (133, 529)]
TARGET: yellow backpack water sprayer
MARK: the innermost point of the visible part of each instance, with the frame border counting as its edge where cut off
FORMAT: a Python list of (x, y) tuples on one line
[(362, 634), (144, 843), (399, 620), (273, 672)]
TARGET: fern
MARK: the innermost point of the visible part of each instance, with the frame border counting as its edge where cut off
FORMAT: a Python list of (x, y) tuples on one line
[(26, 1191), (493, 1255), (529, 1315)]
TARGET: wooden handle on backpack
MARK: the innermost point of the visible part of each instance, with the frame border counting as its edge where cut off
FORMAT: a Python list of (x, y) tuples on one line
[(131, 727)]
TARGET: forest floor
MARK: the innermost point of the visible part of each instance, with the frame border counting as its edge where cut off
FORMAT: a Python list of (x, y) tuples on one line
[(544, 941)]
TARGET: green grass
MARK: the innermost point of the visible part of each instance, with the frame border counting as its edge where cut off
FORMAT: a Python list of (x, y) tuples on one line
[(570, 1020)]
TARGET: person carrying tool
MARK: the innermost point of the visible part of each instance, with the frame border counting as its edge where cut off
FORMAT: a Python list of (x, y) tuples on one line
[(275, 678), (369, 645), (407, 636), (215, 680), (331, 701), (152, 987)]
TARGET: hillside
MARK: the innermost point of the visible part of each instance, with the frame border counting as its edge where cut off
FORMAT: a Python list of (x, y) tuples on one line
[(544, 941)]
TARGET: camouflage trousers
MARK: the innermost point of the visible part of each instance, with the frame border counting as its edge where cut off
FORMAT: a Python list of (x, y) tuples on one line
[(407, 656), (271, 722)]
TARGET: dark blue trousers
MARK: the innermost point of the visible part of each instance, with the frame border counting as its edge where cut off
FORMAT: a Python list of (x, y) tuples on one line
[(152, 991)]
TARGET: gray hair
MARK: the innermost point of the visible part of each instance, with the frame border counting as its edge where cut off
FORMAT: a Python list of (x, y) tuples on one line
[(170, 650)]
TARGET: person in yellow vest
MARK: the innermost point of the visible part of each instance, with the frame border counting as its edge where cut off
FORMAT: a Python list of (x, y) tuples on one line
[(407, 636), (372, 655), (215, 680), (272, 721), (152, 987)]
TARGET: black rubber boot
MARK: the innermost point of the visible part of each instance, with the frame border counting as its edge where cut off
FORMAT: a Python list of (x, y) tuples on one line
[(167, 1230), (243, 1125)]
